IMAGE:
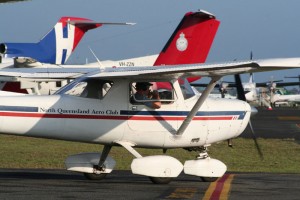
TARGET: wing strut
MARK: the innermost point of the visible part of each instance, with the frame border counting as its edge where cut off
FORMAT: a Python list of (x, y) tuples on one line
[(197, 105), (128, 145)]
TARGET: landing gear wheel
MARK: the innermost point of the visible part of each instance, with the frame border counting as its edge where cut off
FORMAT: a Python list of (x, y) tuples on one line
[(209, 179), (160, 180), (95, 176)]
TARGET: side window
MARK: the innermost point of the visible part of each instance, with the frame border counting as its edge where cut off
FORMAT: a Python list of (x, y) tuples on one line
[(147, 92), (89, 88)]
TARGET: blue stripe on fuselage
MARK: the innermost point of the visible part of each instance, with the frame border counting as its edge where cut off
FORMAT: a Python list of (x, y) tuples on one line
[(19, 109), (241, 114)]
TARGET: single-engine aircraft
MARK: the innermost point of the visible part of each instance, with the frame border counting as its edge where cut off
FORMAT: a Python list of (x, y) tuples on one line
[(101, 108)]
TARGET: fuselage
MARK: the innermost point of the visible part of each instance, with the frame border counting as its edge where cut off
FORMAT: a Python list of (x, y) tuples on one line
[(114, 118)]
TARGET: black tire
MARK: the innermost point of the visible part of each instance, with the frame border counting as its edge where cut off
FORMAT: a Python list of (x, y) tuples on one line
[(160, 180), (209, 179), (95, 176)]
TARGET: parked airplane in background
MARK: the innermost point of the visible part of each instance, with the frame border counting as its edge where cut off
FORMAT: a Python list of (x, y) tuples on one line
[(55, 47), (51, 51), (258, 93), (49, 78), (280, 97), (252, 93)]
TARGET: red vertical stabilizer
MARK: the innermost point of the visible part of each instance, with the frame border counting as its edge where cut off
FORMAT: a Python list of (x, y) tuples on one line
[(191, 40)]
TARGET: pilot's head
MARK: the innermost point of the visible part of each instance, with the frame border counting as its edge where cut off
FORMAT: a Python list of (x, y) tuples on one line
[(143, 86)]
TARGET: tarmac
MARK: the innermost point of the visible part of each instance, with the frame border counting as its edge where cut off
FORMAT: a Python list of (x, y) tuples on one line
[(61, 184), (280, 123)]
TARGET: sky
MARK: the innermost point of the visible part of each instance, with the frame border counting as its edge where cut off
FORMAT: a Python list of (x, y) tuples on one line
[(268, 28)]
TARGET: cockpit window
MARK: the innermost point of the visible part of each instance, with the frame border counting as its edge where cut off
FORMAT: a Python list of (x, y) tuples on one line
[(186, 89), (87, 88), (147, 92)]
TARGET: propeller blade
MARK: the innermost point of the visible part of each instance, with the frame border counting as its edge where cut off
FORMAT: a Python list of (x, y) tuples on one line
[(241, 96), (239, 88), (255, 141)]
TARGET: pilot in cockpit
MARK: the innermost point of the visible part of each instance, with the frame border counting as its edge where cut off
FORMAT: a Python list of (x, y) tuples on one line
[(143, 92)]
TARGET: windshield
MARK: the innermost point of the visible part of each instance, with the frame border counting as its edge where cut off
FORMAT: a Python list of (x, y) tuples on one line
[(87, 88), (186, 89)]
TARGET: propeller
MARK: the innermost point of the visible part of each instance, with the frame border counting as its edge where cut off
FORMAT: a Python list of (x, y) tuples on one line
[(241, 96)]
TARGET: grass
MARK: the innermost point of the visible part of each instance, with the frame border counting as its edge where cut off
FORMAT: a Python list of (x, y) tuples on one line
[(280, 156)]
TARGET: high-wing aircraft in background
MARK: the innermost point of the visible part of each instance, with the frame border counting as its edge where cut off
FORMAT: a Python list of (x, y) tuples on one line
[(47, 78), (252, 92), (280, 96), (265, 93), (102, 107)]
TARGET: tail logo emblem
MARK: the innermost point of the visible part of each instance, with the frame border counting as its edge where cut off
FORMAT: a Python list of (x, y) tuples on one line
[(181, 42)]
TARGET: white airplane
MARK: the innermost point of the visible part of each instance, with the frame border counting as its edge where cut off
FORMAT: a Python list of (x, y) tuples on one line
[(280, 96), (101, 108), (21, 80), (97, 108)]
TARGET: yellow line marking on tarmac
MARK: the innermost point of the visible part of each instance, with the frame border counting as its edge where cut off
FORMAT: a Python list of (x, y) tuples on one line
[(210, 190), (289, 118), (182, 193), (226, 187), (219, 189)]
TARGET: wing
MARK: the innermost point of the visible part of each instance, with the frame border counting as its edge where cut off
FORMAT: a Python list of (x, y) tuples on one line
[(45, 73), (208, 70), (168, 72)]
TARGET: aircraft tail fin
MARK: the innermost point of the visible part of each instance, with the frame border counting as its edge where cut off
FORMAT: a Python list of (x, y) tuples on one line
[(191, 40), (58, 44)]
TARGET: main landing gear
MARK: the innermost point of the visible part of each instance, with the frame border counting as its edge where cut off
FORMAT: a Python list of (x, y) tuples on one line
[(161, 169), (100, 168), (94, 166), (95, 177), (208, 169)]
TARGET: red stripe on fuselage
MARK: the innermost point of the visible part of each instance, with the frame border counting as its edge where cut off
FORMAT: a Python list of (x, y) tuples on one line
[(110, 117)]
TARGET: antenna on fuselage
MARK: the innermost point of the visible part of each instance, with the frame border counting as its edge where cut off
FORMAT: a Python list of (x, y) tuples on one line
[(101, 67)]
